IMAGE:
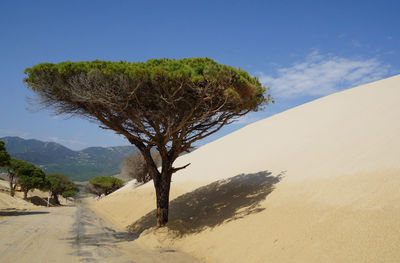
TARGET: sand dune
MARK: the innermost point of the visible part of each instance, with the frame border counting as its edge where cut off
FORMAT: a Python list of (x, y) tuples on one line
[(317, 183), (10, 205)]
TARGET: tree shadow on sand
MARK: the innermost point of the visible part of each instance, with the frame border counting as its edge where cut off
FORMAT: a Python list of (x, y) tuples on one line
[(40, 201), (16, 212), (214, 204)]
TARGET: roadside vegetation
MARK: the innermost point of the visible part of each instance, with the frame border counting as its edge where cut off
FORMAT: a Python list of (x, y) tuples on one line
[(59, 184), (27, 177), (103, 185)]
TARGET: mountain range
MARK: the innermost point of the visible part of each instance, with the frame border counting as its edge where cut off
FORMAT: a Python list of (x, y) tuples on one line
[(81, 165)]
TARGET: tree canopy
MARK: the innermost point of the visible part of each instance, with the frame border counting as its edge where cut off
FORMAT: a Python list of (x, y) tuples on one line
[(28, 175), (134, 98), (5, 163), (105, 184), (4, 156), (59, 184), (165, 104), (12, 167), (70, 193)]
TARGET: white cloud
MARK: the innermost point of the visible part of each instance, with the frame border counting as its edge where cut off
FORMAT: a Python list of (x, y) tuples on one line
[(320, 75), (66, 142), (355, 43), (7, 132)]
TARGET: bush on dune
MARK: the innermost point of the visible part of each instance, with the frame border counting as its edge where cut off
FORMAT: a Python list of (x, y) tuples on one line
[(103, 185), (135, 167)]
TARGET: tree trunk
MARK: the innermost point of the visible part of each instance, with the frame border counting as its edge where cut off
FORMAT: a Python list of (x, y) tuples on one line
[(162, 181), (25, 195), (12, 186), (56, 201), (12, 190), (162, 186)]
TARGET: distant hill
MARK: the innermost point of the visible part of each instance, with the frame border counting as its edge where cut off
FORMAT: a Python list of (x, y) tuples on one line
[(78, 165)]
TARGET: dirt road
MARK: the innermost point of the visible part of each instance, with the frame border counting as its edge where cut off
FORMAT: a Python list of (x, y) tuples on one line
[(72, 234)]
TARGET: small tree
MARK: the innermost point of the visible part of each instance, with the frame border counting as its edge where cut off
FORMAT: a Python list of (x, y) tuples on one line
[(105, 185), (19, 171), (91, 189), (162, 103), (4, 156), (5, 164), (70, 193), (135, 166), (28, 175), (11, 173), (58, 184)]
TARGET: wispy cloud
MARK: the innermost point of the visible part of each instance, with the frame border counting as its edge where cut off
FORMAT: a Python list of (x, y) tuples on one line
[(7, 132), (67, 142), (247, 119), (321, 74), (355, 43)]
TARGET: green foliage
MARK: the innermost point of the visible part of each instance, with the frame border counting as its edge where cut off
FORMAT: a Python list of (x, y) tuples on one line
[(105, 184), (70, 193), (4, 156), (28, 175), (59, 183), (198, 69), (31, 179), (155, 74), (106, 181)]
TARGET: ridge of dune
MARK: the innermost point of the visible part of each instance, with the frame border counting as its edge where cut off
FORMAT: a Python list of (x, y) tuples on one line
[(318, 183)]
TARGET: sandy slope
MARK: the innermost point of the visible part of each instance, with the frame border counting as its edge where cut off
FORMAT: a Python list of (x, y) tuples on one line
[(320, 183), (8, 202), (16, 203), (12, 203)]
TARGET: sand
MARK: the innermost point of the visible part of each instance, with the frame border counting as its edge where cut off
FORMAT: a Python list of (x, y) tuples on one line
[(317, 183), (13, 205)]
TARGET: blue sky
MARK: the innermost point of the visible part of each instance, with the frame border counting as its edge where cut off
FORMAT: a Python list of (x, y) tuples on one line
[(302, 49)]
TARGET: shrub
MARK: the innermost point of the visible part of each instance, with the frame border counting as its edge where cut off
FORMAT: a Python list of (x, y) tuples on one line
[(60, 184), (104, 185), (136, 167)]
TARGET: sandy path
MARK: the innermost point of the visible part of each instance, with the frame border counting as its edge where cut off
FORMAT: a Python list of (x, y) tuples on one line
[(72, 234)]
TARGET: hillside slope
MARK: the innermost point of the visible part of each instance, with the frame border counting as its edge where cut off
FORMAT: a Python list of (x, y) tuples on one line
[(78, 165), (317, 183)]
